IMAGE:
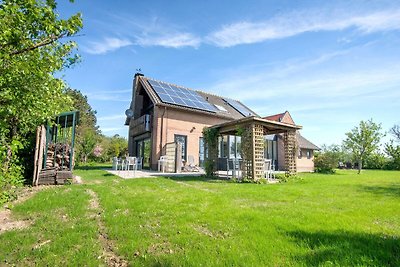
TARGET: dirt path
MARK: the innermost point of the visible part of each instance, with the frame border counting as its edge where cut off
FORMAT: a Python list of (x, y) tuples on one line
[(109, 255), (7, 223)]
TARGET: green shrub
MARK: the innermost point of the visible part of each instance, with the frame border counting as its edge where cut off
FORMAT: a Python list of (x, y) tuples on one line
[(375, 161), (11, 171), (325, 163)]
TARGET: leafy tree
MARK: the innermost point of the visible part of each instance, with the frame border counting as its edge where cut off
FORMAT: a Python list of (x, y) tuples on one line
[(86, 144), (118, 146), (34, 46), (363, 140), (395, 131), (375, 160), (87, 132), (393, 150)]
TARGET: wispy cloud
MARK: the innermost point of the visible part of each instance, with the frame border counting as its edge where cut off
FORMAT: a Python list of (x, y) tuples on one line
[(291, 24), (175, 40), (106, 45)]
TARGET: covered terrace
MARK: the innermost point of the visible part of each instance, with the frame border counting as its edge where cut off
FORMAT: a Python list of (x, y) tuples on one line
[(252, 131)]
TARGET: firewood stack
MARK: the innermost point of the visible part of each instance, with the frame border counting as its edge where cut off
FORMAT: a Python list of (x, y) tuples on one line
[(57, 165), (61, 153)]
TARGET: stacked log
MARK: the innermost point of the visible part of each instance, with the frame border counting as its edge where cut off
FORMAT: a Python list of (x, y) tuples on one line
[(58, 156)]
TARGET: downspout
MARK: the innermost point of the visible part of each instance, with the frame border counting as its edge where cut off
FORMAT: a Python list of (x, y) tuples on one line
[(162, 127)]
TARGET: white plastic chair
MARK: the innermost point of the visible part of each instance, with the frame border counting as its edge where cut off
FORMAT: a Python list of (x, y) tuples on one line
[(117, 163), (268, 170), (162, 163), (130, 161)]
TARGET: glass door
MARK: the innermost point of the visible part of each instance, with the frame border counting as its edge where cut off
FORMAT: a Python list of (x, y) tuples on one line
[(146, 153), (143, 149)]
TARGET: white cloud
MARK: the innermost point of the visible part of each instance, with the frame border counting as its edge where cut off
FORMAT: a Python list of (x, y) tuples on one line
[(295, 23), (108, 44), (176, 40)]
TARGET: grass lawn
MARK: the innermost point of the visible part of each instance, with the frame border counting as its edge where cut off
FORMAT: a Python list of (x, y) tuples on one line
[(322, 220)]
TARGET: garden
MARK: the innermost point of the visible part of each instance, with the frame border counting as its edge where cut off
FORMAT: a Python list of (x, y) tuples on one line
[(342, 219)]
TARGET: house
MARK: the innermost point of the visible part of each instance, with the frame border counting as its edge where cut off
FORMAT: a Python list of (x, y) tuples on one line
[(162, 113), (305, 157)]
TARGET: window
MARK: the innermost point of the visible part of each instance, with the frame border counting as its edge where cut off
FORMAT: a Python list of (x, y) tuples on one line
[(238, 147), (309, 154), (182, 139), (300, 154), (202, 151), (232, 147)]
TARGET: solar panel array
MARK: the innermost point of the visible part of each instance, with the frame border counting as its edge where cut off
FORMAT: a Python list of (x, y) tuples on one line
[(239, 107), (180, 96)]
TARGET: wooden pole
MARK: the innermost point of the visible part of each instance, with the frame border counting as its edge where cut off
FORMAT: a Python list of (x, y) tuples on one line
[(35, 160), (41, 150)]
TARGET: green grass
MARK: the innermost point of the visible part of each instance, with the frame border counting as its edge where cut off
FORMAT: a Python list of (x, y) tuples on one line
[(322, 220)]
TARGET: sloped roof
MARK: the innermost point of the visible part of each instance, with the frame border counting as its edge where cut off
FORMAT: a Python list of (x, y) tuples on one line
[(284, 117), (228, 111), (275, 117), (304, 143)]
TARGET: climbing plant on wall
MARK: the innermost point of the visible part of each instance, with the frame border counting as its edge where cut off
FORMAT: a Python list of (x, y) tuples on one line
[(210, 136)]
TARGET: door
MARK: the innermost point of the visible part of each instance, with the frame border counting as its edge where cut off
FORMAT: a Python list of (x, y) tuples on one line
[(143, 149), (182, 139), (146, 153)]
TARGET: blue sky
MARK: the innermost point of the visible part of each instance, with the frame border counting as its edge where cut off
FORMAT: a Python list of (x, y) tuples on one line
[(329, 63)]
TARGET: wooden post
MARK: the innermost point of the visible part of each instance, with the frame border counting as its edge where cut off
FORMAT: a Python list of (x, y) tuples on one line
[(36, 158), (258, 152), (41, 151), (290, 144)]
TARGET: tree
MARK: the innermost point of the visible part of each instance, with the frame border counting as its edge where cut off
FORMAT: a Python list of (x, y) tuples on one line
[(393, 150), (34, 46), (118, 146), (87, 132), (86, 144), (363, 140), (395, 131)]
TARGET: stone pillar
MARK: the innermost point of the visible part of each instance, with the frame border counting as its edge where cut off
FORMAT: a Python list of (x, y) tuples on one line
[(290, 144)]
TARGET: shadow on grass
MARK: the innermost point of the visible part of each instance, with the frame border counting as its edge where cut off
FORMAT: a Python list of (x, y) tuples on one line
[(92, 167), (347, 249), (390, 191), (189, 178)]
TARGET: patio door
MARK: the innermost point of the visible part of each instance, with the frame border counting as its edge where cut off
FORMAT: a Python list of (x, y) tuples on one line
[(143, 149)]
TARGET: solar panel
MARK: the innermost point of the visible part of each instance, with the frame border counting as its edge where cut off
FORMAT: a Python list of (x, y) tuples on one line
[(239, 107), (180, 96)]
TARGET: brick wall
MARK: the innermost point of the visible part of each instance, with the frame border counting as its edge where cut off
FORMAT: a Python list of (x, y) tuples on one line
[(180, 122)]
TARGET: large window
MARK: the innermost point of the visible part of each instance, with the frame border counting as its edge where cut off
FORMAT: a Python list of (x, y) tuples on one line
[(202, 151), (182, 139), (229, 146)]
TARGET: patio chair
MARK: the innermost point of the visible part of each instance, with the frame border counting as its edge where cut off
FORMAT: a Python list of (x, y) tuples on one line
[(269, 173), (162, 163), (190, 166), (116, 163), (233, 165), (130, 161)]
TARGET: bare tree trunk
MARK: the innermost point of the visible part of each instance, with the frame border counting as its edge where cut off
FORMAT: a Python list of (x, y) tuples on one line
[(359, 166)]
